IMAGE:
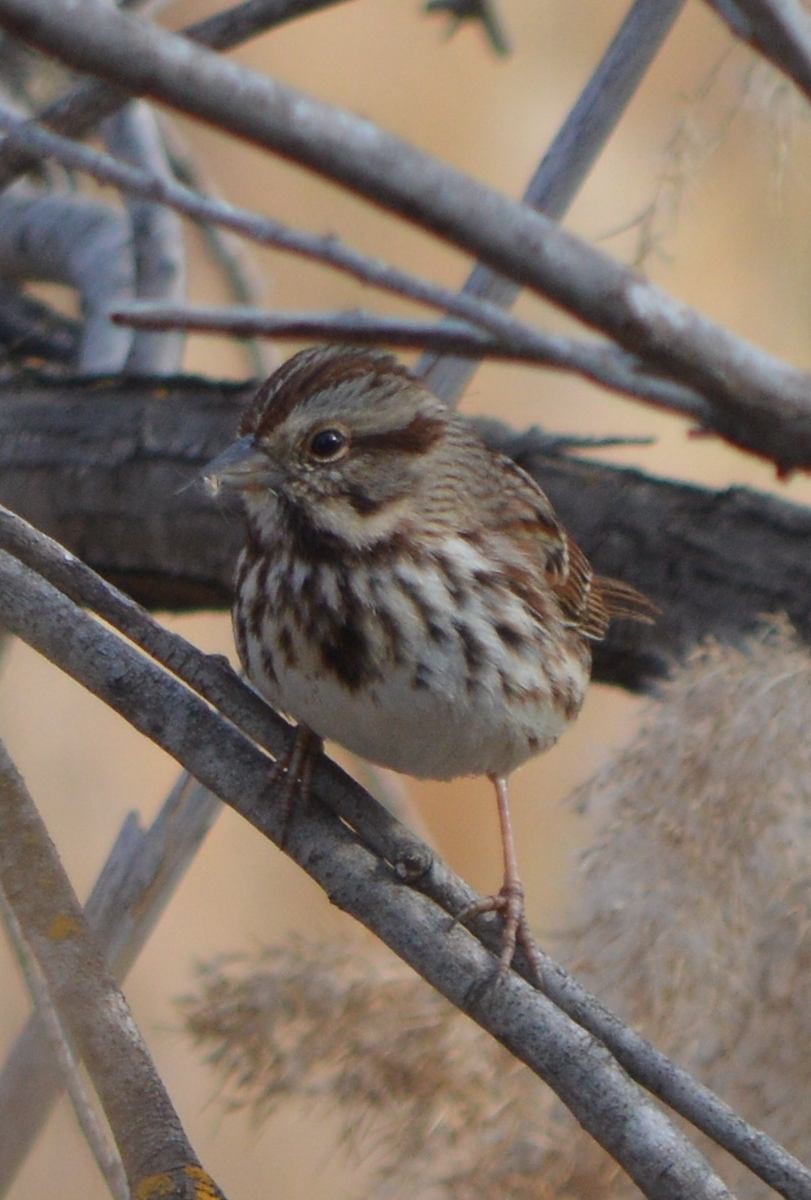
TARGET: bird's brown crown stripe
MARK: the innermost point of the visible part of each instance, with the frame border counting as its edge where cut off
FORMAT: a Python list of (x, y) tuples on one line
[(300, 378)]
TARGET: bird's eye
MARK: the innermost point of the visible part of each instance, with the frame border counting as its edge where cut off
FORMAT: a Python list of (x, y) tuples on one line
[(328, 445)]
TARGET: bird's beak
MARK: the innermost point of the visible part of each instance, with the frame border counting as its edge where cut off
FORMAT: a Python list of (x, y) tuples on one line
[(243, 466)]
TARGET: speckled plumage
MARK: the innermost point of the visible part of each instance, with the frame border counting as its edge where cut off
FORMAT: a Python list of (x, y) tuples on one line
[(403, 590)]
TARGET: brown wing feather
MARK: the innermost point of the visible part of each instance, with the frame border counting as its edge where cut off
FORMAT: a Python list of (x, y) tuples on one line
[(588, 601)]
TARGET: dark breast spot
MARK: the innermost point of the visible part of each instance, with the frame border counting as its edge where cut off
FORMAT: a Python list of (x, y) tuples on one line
[(286, 646), (474, 654), (422, 676), (423, 608), (346, 653), (566, 700), (267, 665), (510, 636), (452, 580)]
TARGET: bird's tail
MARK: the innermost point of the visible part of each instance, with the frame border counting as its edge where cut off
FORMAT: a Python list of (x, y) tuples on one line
[(622, 600)]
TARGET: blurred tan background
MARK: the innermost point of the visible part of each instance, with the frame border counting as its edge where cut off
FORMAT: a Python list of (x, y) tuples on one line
[(739, 251)]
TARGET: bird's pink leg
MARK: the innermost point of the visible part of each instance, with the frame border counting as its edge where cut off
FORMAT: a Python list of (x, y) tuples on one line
[(510, 899)]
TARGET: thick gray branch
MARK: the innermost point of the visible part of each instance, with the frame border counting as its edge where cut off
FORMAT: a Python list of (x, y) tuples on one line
[(780, 30), (82, 108), (73, 240), (582, 1072), (110, 472), (138, 879), (381, 832), (746, 387), (148, 1133)]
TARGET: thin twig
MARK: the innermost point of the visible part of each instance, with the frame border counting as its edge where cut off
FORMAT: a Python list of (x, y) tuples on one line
[(567, 162), (601, 363), (615, 369)]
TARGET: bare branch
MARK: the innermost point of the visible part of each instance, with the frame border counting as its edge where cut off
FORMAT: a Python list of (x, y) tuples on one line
[(757, 401), (599, 362), (569, 159), (659, 1159), (157, 237), (87, 104), (137, 881), (268, 232), (73, 240), (377, 828), (148, 1133), (65, 1065)]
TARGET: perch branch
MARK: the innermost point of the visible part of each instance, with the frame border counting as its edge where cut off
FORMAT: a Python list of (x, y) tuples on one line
[(582, 1072), (379, 831), (111, 472)]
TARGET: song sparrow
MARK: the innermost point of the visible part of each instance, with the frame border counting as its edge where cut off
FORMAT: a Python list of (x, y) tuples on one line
[(403, 590)]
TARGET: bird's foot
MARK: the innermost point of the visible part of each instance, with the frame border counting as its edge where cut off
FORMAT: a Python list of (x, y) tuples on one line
[(509, 902)]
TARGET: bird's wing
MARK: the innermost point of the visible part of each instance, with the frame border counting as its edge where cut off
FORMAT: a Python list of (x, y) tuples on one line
[(587, 601)]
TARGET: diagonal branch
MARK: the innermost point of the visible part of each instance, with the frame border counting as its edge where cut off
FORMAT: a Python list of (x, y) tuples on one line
[(780, 30), (604, 364), (597, 361), (82, 108), (148, 1133), (582, 1072), (567, 162), (757, 401), (138, 879), (378, 830)]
